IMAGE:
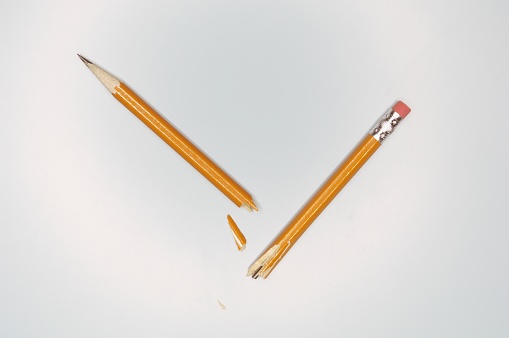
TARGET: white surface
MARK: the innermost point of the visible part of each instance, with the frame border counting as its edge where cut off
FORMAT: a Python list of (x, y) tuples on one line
[(106, 232)]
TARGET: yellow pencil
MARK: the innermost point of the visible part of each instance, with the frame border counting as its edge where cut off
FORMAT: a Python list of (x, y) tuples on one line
[(173, 138), (279, 247)]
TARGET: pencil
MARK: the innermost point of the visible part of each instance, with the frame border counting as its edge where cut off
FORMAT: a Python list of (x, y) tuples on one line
[(169, 134), (280, 246)]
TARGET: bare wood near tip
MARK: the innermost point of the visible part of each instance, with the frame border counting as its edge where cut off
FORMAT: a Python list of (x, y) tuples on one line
[(169, 134)]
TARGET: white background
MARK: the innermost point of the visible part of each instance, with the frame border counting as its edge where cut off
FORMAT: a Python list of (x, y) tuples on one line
[(106, 232)]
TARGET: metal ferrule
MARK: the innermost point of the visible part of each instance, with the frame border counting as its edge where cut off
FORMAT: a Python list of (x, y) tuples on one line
[(385, 126)]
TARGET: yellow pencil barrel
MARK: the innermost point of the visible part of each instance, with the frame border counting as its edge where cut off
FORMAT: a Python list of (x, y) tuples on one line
[(183, 146), (280, 246)]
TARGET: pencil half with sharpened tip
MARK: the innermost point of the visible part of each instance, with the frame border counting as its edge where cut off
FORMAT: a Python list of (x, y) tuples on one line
[(176, 140)]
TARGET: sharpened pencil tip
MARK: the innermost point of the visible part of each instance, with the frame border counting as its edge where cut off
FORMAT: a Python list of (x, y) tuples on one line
[(85, 61), (108, 80)]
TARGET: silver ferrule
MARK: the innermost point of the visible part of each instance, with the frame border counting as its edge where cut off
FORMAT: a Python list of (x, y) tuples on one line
[(385, 126)]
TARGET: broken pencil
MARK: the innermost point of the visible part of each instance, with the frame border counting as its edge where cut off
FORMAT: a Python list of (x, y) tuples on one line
[(280, 246), (173, 138)]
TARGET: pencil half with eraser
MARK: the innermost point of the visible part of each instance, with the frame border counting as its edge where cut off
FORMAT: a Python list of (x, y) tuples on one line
[(280, 246)]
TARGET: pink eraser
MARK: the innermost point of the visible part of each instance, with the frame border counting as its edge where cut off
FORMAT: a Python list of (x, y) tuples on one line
[(402, 109)]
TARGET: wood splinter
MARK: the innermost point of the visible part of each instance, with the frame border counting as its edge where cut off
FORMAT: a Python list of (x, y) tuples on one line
[(238, 236), (221, 305)]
